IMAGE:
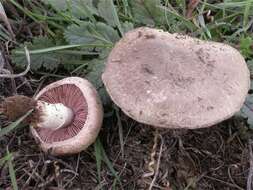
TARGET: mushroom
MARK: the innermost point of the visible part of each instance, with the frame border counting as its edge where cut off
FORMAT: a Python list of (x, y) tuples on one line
[(175, 81), (67, 115)]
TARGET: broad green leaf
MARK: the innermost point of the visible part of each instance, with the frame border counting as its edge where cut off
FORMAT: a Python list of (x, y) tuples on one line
[(154, 13), (147, 12), (140, 13), (108, 32), (127, 26), (107, 11), (78, 8), (104, 53), (49, 59), (246, 44), (95, 70), (105, 98), (89, 33)]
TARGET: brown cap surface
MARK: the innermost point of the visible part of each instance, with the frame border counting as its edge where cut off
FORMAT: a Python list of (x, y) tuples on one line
[(79, 95), (175, 81)]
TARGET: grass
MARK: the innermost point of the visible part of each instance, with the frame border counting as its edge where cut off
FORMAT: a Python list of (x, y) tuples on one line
[(8, 158), (12, 172), (64, 47), (14, 125), (82, 35)]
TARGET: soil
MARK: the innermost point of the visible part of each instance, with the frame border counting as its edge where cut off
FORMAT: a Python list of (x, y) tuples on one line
[(204, 159)]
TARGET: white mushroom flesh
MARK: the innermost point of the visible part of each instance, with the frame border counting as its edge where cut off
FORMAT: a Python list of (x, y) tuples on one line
[(54, 116)]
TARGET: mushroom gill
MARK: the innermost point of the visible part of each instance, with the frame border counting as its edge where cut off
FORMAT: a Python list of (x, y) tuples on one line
[(72, 97)]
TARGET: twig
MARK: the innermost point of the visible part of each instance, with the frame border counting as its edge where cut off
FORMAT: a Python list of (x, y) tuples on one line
[(158, 164), (232, 180), (250, 175), (23, 73), (4, 18), (60, 161), (32, 174), (7, 65), (125, 140), (152, 157), (69, 171), (73, 172), (224, 182), (48, 181)]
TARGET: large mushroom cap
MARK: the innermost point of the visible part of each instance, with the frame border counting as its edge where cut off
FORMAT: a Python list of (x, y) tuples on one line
[(175, 81), (79, 95)]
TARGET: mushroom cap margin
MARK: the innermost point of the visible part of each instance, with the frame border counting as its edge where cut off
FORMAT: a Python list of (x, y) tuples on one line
[(91, 128)]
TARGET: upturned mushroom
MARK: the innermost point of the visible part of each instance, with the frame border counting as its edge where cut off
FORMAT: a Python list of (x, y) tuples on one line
[(67, 115), (175, 81)]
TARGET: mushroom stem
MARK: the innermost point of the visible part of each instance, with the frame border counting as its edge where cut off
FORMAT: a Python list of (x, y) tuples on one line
[(54, 116)]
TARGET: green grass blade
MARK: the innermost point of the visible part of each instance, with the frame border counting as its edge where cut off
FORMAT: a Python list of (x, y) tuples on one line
[(234, 4), (5, 158), (24, 10), (126, 8), (246, 14), (203, 25), (57, 48), (114, 184), (121, 138), (109, 13), (50, 49), (187, 23), (109, 165), (107, 161), (12, 173), (13, 125)]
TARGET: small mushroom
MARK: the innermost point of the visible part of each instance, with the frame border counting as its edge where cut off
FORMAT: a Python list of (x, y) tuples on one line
[(67, 115), (175, 81)]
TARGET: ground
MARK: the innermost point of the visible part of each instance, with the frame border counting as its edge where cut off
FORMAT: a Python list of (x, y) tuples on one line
[(212, 158), (126, 155)]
